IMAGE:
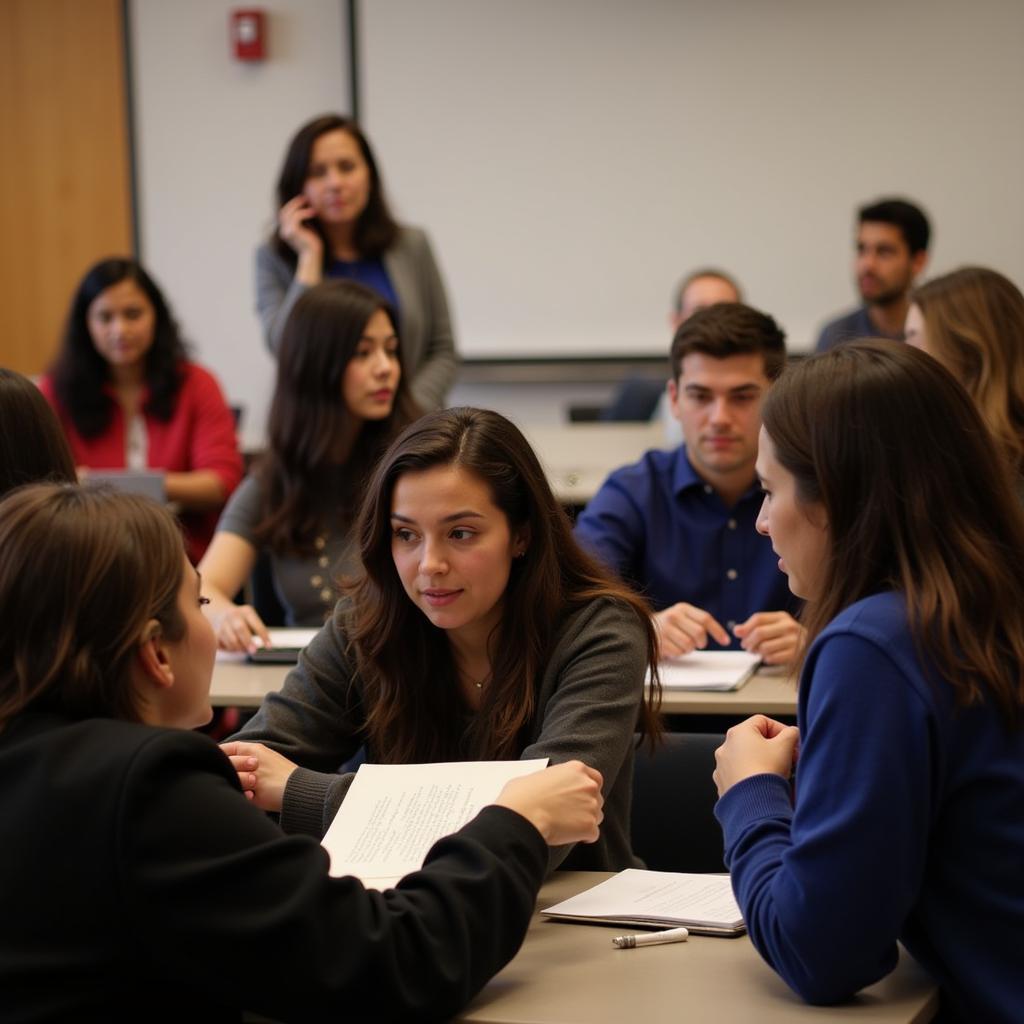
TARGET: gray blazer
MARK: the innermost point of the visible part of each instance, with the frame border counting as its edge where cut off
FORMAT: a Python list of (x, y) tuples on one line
[(428, 346)]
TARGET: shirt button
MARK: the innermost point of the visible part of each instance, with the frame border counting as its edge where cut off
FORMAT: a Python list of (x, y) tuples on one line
[(317, 581), (731, 524), (326, 595), (708, 488), (732, 574), (730, 625)]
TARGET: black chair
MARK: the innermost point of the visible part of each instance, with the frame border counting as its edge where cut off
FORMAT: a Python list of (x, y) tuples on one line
[(673, 824), (264, 594), (636, 400)]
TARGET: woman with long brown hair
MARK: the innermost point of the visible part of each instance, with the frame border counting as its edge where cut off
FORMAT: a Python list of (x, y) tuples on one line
[(894, 518), (972, 321), (138, 882), (340, 398), (334, 221), (477, 629)]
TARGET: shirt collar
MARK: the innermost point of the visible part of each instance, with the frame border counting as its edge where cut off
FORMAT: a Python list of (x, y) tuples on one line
[(685, 477)]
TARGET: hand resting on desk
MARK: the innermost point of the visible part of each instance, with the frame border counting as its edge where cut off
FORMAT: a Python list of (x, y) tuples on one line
[(776, 636), (683, 628)]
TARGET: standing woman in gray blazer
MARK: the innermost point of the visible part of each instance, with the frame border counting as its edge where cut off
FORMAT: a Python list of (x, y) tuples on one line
[(333, 221)]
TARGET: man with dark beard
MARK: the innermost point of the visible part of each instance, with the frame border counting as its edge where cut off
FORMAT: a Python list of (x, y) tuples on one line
[(892, 250)]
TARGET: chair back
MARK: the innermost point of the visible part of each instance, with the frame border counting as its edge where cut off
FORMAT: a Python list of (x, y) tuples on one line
[(673, 824)]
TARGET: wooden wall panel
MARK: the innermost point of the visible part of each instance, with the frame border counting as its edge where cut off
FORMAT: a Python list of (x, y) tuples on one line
[(65, 196)]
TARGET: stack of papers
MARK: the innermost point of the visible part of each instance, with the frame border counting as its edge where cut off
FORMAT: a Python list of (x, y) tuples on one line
[(708, 670), (394, 813), (652, 899)]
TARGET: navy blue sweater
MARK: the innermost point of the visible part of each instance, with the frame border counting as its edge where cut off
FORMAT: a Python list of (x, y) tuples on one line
[(908, 824)]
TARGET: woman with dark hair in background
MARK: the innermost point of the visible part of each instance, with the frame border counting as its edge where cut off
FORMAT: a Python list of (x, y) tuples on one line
[(340, 399), (141, 885), (972, 321), (894, 518), (478, 630), (129, 398), (33, 447), (333, 221)]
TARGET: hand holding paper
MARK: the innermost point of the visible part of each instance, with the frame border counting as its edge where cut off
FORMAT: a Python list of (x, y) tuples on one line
[(563, 803)]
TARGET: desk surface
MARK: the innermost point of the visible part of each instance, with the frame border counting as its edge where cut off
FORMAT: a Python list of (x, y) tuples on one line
[(577, 457), (239, 684), (571, 974)]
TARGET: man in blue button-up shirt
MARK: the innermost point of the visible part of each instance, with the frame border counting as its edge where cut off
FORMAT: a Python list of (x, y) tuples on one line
[(679, 525)]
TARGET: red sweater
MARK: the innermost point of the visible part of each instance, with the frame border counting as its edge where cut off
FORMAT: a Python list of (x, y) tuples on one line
[(199, 435)]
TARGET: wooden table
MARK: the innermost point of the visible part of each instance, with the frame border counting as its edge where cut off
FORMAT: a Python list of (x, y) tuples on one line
[(239, 684), (571, 974)]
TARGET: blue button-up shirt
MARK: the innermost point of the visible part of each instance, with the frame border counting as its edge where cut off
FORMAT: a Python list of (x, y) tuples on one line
[(667, 532)]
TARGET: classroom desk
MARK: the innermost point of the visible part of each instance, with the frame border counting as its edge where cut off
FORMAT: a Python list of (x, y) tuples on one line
[(767, 692), (239, 684), (571, 974), (577, 457)]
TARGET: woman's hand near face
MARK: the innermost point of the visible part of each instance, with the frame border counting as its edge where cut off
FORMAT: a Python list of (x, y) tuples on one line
[(562, 802), (262, 772), (293, 227), (757, 746)]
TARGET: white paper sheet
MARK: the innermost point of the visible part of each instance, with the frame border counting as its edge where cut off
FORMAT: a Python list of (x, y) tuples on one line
[(657, 897), (394, 813), (708, 670)]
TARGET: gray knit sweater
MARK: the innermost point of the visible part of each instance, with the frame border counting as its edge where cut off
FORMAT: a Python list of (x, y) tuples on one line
[(588, 701)]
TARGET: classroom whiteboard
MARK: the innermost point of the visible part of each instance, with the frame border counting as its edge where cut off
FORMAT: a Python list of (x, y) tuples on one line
[(571, 159)]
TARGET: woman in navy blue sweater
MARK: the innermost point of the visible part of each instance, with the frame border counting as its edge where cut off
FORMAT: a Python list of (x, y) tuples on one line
[(893, 517)]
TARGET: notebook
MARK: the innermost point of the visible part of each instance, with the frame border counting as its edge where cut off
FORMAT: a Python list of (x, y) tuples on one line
[(287, 646), (657, 899), (708, 670)]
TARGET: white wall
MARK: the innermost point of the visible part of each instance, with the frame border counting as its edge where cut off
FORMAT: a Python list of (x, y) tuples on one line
[(573, 158), (210, 137)]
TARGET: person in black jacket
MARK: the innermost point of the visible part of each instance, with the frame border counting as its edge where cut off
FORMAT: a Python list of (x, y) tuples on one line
[(138, 882)]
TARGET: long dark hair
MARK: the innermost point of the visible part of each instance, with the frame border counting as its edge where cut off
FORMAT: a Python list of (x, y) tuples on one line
[(396, 647), (82, 571), (375, 229), (80, 372), (33, 447), (917, 500), (303, 468)]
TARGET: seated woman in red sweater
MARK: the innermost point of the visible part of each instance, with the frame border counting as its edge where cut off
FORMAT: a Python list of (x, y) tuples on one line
[(128, 397)]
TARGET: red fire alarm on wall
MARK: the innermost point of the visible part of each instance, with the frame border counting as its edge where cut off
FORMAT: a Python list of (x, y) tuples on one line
[(249, 33)]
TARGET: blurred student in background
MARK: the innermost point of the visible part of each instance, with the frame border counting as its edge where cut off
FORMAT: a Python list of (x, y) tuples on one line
[(33, 447), (128, 397), (333, 220), (972, 321), (340, 398)]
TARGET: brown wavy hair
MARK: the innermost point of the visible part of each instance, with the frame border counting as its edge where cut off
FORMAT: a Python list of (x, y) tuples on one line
[(917, 501), (974, 318), (81, 573), (395, 646)]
